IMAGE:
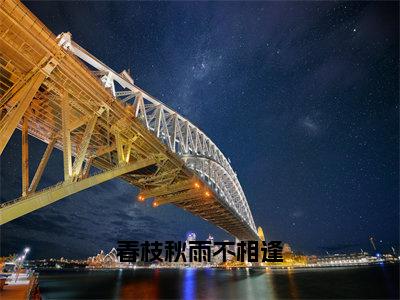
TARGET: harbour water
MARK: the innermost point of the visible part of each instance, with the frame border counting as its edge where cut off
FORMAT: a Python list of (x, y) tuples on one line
[(379, 281)]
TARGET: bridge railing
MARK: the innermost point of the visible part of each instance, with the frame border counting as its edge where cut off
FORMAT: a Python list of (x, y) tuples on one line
[(181, 136)]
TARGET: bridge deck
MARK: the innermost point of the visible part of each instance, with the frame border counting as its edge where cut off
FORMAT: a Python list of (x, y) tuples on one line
[(68, 100)]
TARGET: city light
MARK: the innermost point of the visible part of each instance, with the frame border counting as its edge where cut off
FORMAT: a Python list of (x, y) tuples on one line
[(301, 97)]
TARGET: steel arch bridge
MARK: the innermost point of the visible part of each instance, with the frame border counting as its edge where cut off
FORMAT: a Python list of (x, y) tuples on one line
[(54, 90)]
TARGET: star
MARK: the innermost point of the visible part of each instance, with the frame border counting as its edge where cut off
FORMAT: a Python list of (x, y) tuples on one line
[(302, 98)]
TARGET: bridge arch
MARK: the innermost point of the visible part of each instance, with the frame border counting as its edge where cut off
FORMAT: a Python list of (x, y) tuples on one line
[(81, 107)]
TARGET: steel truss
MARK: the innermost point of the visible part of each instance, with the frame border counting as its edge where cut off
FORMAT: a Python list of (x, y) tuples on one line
[(80, 106)]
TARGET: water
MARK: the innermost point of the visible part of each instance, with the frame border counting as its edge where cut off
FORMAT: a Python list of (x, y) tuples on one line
[(358, 282)]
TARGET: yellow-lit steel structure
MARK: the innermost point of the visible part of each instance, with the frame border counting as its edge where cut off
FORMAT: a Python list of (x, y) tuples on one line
[(57, 92)]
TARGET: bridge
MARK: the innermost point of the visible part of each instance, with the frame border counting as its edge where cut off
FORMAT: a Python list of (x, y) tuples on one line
[(56, 91)]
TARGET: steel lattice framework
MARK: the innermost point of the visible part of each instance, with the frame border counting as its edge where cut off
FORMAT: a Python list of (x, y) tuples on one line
[(100, 118)]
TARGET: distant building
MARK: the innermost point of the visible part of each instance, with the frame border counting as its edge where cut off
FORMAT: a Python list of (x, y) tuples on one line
[(101, 260), (362, 258), (287, 254), (211, 239), (286, 248), (190, 238), (214, 259)]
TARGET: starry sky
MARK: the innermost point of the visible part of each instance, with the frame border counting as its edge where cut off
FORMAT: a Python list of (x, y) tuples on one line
[(301, 96)]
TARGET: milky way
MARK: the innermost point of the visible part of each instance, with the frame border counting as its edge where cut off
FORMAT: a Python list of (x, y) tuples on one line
[(302, 97)]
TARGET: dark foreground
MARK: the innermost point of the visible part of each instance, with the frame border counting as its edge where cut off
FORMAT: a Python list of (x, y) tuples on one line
[(357, 282)]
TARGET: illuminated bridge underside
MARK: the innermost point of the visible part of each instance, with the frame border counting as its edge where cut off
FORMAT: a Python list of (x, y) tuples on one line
[(55, 91)]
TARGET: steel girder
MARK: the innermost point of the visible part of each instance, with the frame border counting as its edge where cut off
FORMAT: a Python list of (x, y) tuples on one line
[(85, 117), (182, 137)]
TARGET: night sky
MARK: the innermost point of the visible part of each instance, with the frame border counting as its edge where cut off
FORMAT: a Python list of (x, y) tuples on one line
[(301, 96)]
